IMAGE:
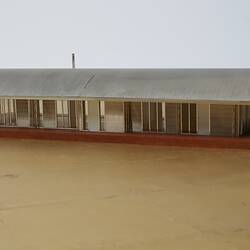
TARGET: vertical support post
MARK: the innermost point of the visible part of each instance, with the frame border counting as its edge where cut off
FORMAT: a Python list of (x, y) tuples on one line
[(29, 112), (236, 121), (157, 117), (141, 117), (149, 117), (178, 118), (165, 121), (61, 104), (3, 103), (56, 122), (189, 120), (9, 115), (15, 110), (197, 118), (99, 113)]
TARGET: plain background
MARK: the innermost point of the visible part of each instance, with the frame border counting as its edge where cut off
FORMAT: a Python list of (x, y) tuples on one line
[(125, 33)]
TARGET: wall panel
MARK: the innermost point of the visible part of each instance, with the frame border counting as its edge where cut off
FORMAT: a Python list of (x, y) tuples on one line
[(203, 119), (114, 117), (145, 113), (3, 112), (243, 119), (172, 122), (222, 120)]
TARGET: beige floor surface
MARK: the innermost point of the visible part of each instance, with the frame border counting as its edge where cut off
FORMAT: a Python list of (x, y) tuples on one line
[(70, 195)]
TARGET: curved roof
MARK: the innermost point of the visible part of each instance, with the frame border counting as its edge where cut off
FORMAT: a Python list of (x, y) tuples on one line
[(163, 84)]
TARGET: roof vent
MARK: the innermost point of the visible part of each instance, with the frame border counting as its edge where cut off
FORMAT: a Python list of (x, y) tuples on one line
[(73, 61)]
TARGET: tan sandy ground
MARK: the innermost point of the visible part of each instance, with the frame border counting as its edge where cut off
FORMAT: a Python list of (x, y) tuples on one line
[(70, 195)]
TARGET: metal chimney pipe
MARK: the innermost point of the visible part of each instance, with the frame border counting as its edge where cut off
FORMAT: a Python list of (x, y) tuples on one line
[(73, 61)]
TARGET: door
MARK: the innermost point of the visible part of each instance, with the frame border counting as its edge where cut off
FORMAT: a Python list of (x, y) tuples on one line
[(49, 114), (72, 106), (34, 114), (22, 108), (203, 119), (222, 119), (172, 115), (188, 118)]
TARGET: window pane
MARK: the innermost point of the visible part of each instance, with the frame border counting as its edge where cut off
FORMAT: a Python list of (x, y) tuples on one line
[(12, 113), (193, 127), (161, 115), (153, 118), (185, 120), (65, 107), (145, 116), (127, 116), (65, 114), (84, 124), (72, 114), (2, 113), (59, 114)]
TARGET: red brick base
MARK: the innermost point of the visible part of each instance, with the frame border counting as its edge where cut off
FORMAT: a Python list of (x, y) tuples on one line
[(135, 138)]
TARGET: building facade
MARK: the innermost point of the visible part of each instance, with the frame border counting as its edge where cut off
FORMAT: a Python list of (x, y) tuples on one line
[(127, 117), (188, 102)]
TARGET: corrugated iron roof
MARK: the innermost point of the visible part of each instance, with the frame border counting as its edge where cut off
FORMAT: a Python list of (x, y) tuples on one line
[(164, 84)]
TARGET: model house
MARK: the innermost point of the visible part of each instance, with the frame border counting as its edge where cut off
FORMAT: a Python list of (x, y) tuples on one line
[(211, 102)]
